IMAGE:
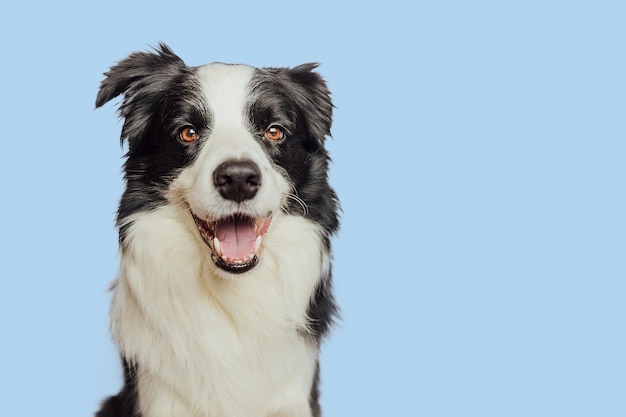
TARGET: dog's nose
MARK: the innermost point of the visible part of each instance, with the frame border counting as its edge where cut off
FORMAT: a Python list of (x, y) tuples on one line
[(237, 180)]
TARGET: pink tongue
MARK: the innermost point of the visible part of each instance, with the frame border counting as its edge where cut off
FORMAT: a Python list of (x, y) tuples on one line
[(236, 237)]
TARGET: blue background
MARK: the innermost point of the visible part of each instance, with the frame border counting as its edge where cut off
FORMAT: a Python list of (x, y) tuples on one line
[(479, 154)]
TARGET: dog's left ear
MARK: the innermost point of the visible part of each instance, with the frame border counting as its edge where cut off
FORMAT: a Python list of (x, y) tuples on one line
[(311, 94)]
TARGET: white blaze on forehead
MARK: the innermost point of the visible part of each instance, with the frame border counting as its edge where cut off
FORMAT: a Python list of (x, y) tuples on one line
[(227, 89)]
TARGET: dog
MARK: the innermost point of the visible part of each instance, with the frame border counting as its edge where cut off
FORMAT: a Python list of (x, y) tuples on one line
[(224, 292)]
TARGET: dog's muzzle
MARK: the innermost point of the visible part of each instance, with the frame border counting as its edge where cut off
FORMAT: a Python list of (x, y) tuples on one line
[(235, 240)]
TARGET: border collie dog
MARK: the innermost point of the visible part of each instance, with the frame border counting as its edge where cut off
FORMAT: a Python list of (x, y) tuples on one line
[(224, 290)]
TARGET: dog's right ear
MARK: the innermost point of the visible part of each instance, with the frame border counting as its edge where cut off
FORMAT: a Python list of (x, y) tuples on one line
[(140, 78)]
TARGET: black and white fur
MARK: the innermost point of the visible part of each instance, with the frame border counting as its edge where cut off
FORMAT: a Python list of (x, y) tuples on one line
[(202, 336)]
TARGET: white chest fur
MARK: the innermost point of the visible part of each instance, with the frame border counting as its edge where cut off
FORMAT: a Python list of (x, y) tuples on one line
[(212, 346)]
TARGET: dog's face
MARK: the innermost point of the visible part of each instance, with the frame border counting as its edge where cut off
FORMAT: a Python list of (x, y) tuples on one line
[(234, 145)]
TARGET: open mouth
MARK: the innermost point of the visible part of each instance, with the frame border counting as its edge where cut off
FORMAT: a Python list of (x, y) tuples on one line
[(235, 241)]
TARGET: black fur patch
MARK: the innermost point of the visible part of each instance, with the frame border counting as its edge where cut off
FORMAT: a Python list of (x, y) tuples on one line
[(300, 100), (124, 404), (161, 95)]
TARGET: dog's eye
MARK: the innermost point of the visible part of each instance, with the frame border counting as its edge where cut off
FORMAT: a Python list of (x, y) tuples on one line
[(188, 134), (274, 133)]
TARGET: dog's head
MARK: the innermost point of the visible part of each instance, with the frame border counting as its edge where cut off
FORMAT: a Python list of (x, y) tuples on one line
[(233, 144)]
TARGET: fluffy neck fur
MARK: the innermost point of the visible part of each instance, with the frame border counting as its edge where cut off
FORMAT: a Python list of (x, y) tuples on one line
[(210, 345)]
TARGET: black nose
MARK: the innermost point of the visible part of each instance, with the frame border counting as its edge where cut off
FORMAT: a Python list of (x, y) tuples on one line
[(237, 180)]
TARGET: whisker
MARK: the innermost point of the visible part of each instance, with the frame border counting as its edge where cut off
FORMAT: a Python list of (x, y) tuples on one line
[(300, 201)]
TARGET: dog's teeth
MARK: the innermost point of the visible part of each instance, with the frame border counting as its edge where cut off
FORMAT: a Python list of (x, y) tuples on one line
[(217, 246), (257, 243)]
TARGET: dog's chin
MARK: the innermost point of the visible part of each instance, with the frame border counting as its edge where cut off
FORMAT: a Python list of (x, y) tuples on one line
[(235, 268), (234, 241)]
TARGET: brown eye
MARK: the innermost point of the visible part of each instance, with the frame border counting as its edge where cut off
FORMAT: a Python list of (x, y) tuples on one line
[(188, 134), (274, 133)]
